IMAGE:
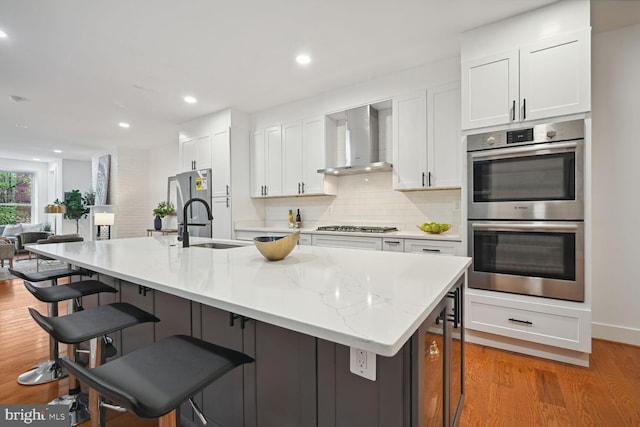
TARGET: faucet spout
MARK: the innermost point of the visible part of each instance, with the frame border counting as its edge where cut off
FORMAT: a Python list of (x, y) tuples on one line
[(185, 226)]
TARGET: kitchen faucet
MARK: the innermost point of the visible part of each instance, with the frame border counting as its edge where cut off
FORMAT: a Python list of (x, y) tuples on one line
[(185, 226)]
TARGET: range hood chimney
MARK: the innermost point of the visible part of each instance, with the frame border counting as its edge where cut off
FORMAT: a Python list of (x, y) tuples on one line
[(361, 144)]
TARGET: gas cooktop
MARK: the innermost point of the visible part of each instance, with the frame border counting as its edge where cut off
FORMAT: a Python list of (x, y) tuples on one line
[(356, 228)]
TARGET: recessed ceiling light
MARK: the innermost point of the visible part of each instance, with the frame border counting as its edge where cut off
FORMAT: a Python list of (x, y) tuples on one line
[(124, 125), (190, 99), (21, 125), (35, 159), (57, 151), (303, 59), (3, 35)]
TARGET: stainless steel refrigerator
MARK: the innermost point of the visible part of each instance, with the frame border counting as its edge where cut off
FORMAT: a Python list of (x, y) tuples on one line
[(196, 183)]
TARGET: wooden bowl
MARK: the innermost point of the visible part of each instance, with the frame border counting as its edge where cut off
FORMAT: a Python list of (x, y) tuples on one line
[(275, 248)]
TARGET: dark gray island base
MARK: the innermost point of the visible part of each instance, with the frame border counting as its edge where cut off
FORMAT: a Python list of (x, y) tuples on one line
[(299, 380)]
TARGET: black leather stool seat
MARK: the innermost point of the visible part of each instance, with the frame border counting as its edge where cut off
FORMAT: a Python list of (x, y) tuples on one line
[(83, 325), (155, 380), (69, 291), (41, 276)]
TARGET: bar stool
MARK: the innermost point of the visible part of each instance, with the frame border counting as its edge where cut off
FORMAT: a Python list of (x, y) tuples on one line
[(91, 325), (153, 381), (49, 370)]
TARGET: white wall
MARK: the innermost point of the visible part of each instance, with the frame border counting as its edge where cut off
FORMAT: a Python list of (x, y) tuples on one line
[(163, 163), (616, 174), (76, 175)]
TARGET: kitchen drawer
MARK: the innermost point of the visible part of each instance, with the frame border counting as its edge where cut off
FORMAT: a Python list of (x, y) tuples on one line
[(545, 324), (305, 240), (368, 243), (393, 245), (430, 247)]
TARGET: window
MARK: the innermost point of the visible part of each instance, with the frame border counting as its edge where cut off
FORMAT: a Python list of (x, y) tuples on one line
[(15, 197)]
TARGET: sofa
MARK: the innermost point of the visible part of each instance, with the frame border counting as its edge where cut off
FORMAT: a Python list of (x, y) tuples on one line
[(23, 234)]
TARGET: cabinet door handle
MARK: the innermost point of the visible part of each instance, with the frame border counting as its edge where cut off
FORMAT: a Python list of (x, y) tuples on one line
[(430, 250), (227, 202), (266, 190), (423, 179), (298, 188), (524, 109), (233, 317), (513, 111), (429, 179), (525, 322), (227, 188), (303, 188)]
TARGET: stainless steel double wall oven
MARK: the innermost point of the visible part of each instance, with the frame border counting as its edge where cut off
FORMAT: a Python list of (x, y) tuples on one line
[(526, 210)]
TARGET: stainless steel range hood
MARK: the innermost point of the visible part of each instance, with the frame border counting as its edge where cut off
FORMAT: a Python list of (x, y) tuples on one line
[(361, 144)]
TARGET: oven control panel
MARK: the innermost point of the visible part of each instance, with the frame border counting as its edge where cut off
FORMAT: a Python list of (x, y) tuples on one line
[(538, 134)]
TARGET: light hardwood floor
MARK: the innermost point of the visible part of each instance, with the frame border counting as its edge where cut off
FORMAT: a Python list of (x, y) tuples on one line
[(502, 388)]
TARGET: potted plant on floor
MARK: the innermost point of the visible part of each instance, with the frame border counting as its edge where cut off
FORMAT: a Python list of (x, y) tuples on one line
[(76, 207), (164, 208)]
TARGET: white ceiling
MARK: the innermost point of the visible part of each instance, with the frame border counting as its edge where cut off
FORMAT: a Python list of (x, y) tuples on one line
[(83, 66)]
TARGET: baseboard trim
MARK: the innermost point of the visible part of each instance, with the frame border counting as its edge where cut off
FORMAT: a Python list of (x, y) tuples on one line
[(526, 347), (615, 333)]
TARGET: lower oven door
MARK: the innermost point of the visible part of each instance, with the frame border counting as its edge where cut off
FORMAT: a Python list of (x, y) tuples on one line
[(541, 258)]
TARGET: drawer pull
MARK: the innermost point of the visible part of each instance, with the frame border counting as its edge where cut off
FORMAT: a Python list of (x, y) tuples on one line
[(392, 242), (526, 322), (430, 250)]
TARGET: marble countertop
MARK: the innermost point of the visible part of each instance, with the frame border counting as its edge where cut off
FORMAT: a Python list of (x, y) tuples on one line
[(365, 299), (401, 234)]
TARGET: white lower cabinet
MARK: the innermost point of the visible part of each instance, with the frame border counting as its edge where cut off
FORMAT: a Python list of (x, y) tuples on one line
[(431, 247), (305, 239), (368, 243), (392, 245), (549, 324)]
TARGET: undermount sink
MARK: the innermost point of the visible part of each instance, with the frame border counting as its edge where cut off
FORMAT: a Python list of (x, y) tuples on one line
[(216, 246)]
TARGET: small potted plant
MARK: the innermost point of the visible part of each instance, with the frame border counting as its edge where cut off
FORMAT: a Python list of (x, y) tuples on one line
[(160, 212)]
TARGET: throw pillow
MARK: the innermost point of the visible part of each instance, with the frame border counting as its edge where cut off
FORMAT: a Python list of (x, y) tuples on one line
[(10, 230), (31, 227)]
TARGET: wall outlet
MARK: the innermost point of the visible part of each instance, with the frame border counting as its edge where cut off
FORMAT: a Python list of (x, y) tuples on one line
[(363, 363)]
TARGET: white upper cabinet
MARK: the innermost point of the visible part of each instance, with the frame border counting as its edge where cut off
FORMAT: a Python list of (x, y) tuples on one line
[(292, 157), (285, 159), (555, 76), (221, 163), (490, 90), (544, 79), (195, 153), (316, 132), (426, 139), (258, 154), (443, 137), (266, 162), (410, 141)]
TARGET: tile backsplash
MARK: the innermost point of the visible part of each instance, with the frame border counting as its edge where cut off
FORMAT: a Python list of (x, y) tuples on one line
[(369, 199)]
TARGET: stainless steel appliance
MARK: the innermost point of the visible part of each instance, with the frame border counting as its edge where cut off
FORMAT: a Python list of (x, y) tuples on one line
[(196, 183), (532, 173), (542, 258), (526, 210), (356, 228)]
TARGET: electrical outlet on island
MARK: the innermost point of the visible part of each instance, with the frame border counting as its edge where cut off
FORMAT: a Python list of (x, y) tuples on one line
[(363, 363)]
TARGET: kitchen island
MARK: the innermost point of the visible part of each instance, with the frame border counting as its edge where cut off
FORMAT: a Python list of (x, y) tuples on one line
[(298, 317)]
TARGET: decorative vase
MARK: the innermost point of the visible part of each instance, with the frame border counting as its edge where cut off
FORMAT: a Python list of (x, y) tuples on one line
[(157, 223)]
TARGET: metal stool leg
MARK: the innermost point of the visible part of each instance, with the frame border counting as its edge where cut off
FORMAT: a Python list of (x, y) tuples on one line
[(49, 370), (75, 400)]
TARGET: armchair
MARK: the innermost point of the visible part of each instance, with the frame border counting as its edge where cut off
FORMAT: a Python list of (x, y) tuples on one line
[(27, 237), (7, 251)]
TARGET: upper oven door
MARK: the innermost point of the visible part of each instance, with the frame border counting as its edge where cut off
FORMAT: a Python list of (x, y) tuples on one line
[(540, 181)]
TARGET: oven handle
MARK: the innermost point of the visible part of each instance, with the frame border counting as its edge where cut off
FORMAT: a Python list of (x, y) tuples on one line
[(527, 227), (515, 151)]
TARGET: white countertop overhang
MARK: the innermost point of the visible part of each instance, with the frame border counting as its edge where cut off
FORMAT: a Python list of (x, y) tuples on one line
[(369, 300)]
